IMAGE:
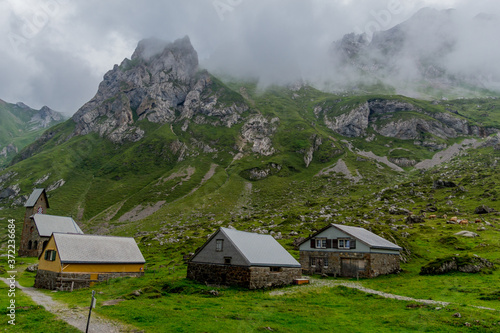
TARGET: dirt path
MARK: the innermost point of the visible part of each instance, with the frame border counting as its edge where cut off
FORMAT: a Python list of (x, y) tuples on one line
[(329, 283), (76, 316)]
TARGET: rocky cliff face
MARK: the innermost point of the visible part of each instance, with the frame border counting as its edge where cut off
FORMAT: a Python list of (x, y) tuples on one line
[(385, 117), (161, 83)]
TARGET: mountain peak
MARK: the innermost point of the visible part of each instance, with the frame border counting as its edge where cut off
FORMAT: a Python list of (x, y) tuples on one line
[(150, 47), (160, 82)]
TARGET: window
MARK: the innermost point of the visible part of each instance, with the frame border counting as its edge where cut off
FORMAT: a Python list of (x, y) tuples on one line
[(325, 262), (275, 269), (219, 245), (321, 243), (227, 260), (50, 255), (313, 261), (35, 245), (29, 245), (347, 244)]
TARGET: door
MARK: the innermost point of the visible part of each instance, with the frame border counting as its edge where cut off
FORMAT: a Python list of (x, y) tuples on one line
[(319, 265), (351, 267)]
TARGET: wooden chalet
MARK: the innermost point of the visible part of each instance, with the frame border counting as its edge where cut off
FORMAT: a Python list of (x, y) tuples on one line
[(71, 261)]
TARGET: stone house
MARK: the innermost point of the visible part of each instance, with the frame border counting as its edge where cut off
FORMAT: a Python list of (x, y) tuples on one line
[(72, 261), (38, 227), (245, 259), (347, 251)]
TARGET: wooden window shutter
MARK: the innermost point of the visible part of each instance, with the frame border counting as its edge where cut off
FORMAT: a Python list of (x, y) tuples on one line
[(328, 243), (335, 243), (353, 244), (313, 243)]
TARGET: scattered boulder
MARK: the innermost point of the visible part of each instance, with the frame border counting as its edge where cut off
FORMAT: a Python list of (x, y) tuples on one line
[(398, 211), (112, 302), (412, 219), (466, 233), (32, 268), (465, 264), (443, 184), (483, 209)]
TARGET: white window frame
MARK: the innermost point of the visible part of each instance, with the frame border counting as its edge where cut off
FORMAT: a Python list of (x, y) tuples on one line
[(346, 243), (321, 243)]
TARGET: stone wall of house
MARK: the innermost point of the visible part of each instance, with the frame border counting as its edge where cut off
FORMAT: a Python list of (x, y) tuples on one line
[(67, 281), (374, 263), (247, 277), (384, 264), (219, 274), (263, 277)]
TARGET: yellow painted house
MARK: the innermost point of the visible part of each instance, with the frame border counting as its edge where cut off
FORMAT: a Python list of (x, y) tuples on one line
[(71, 261)]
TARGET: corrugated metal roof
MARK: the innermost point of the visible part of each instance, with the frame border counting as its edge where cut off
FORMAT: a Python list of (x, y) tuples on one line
[(34, 197), (260, 250), (47, 224), (367, 237), (97, 249)]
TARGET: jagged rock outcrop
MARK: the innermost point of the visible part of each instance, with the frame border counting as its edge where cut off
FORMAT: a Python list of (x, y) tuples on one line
[(384, 116), (351, 124), (466, 264), (159, 82), (257, 131), (9, 149), (403, 162), (316, 143), (260, 173), (492, 141)]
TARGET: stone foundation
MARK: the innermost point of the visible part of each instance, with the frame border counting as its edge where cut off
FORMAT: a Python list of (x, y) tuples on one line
[(349, 264), (68, 281), (246, 277)]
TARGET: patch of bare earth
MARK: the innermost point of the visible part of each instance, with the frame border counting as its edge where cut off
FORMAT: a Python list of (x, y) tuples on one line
[(341, 167), (141, 212), (207, 176)]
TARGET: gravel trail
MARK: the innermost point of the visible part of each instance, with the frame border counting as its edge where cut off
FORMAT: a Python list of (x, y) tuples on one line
[(77, 316)]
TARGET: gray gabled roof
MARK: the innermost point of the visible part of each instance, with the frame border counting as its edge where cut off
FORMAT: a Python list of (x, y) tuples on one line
[(260, 250), (48, 224), (34, 197), (97, 249), (367, 237)]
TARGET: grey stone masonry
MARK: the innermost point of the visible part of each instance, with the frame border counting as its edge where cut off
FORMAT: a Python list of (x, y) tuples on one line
[(247, 277), (349, 264), (68, 281)]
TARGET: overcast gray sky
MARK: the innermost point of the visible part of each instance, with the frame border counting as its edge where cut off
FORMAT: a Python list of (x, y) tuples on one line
[(55, 52)]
